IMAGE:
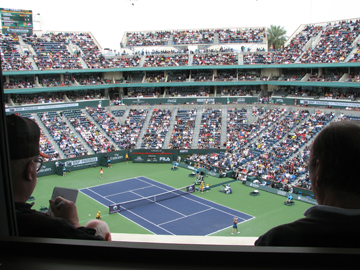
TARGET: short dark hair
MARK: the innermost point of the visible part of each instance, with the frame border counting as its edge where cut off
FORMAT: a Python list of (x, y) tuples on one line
[(337, 148)]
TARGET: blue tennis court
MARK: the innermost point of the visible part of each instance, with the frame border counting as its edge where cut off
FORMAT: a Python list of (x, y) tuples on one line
[(182, 215)]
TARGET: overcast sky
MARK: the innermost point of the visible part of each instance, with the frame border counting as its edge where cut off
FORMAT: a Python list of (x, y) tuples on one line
[(109, 19)]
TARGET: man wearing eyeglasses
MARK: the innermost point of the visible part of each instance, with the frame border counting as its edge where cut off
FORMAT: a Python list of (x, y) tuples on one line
[(26, 161)]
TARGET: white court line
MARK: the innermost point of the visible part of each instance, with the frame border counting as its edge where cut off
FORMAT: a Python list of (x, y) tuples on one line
[(93, 198), (98, 195), (111, 183), (170, 209), (149, 222), (186, 216), (131, 190)]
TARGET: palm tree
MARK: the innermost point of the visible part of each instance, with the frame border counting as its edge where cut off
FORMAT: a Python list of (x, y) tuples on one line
[(276, 36)]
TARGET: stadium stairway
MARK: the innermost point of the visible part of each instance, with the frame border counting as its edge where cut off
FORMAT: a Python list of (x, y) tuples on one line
[(197, 128), (126, 114), (47, 134), (142, 60), (100, 128), (145, 126), (223, 126), (191, 57), (171, 126), (83, 142), (240, 59)]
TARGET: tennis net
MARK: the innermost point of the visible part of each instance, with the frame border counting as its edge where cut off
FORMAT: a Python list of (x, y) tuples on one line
[(123, 206)]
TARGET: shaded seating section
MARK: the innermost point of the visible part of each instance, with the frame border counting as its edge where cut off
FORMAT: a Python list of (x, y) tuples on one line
[(236, 90), (90, 132), (157, 129), (46, 97), (177, 76), (19, 82), (191, 91), (155, 77), (66, 139), (126, 135), (225, 75), (140, 92), (183, 129), (210, 129)]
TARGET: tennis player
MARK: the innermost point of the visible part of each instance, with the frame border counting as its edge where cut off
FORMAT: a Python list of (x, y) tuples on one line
[(202, 185), (64, 171), (101, 173), (235, 222)]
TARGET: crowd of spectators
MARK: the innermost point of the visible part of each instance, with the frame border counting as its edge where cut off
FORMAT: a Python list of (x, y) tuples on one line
[(236, 91), (51, 51), (225, 75), (155, 77), (177, 76), (251, 76), (157, 129), (56, 82), (166, 60), (274, 145), (11, 59), (353, 78), (140, 92), (147, 38), (290, 53), (120, 134), (215, 59), (88, 80), (89, 131), (85, 95), (247, 35), (210, 129), (183, 129), (335, 44), (188, 91), (180, 37), (46, 97), (15, 83), (66, 139)]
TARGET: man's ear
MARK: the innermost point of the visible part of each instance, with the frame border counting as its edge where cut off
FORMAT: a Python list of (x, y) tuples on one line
[(107, 236), (29, 171)]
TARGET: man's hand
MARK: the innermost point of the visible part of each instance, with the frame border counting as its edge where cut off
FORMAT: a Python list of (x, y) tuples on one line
[(65, 209)]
